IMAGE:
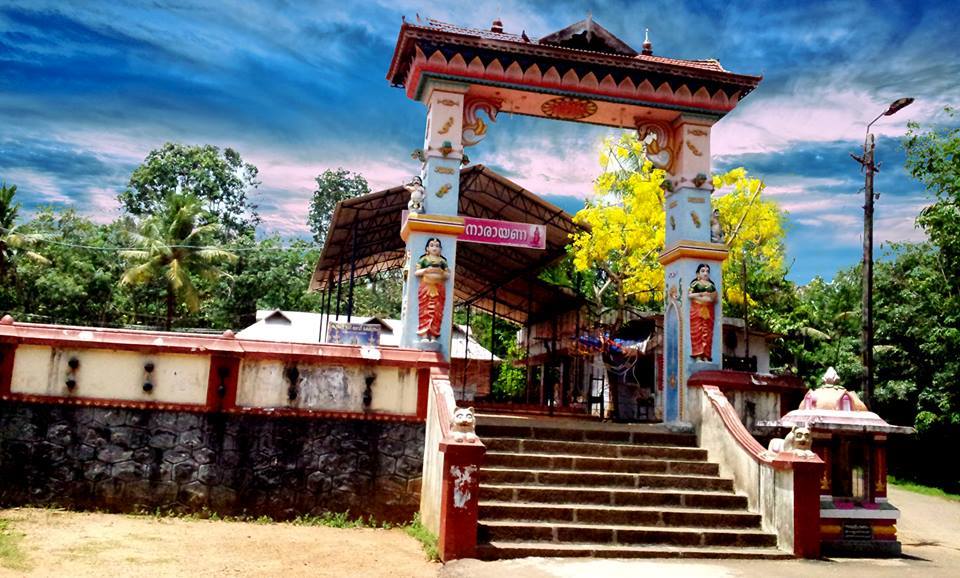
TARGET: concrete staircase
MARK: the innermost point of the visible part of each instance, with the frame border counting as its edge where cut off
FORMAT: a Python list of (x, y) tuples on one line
[(580, 488)]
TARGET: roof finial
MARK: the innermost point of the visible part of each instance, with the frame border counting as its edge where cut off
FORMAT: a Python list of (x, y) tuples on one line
[(647, 45)]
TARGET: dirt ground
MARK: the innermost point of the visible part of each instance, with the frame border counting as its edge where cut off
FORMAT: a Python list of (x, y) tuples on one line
[(59, 543), (74, 544)]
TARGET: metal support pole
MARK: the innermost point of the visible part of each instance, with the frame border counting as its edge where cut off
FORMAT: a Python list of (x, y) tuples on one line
[(526, 385), (353, 269), (325, 306), (493, 329), (339, 285), (466, 353), (746, 309)]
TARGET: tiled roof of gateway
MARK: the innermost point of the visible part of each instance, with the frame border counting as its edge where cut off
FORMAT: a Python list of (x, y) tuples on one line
[(709, 64)]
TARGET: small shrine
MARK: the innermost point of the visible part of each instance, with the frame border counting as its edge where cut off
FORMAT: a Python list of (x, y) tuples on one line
[(855, 516)]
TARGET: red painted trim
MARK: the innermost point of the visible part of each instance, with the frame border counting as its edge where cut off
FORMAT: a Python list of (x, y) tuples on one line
[(419, 69), (230, 366), (806, 509), (742, 380), (165, 342), (734, 427), (7, 353), (307, 413), (458, 524), (94, 402), (423, 392)]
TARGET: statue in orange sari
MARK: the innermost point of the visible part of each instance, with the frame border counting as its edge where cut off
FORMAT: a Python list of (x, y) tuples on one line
[(433, 273), (703, 296)]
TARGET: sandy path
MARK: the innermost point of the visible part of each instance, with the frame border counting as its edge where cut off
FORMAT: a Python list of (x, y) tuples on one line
[(59, 543)]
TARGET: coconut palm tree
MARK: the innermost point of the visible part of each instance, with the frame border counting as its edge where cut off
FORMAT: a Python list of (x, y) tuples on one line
[(173, 245), (14, 243)]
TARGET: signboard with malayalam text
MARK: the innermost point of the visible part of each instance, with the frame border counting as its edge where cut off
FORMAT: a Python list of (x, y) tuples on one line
[(493, 232), (353, 333)]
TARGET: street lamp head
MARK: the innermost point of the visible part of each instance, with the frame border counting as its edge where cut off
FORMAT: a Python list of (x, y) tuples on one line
[(897, 105)]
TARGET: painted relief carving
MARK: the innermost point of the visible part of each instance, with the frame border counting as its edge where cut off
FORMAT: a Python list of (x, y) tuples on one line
[(695, 218), (463, 425), (446, 126), (693, 149), (656, 139), (716, 231), (703, 297), (418, 155), (699, 180), (696, 132), (567, 108), (798, 442), (443, 190), (444, 170), (415, 187), (673, 223), (446, 148), (462, 484), (433, 273), (474, 128), (448, 102)]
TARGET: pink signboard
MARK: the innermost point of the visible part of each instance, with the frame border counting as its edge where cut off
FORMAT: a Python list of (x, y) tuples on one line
[(508, 233)]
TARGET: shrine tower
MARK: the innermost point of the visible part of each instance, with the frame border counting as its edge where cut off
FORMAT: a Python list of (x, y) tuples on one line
[(583, 73)]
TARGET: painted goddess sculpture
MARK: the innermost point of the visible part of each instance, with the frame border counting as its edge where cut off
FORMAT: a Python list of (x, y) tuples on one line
[(703, 296), (432, 272)]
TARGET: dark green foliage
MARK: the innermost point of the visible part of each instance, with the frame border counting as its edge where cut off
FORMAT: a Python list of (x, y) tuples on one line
[(332, 187), (219, 179)]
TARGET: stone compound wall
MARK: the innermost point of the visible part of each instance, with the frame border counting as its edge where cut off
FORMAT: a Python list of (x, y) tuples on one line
[(139, 459)]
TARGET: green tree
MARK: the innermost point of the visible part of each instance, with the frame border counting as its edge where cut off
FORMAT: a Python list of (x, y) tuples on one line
[(266, 275), (79, 283), (625, 222), (14, 241), (174, 246), (933, 158), (219, 179), (332, 187)]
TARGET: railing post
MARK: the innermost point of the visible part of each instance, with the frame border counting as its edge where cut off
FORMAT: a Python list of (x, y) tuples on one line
[(460, 499)]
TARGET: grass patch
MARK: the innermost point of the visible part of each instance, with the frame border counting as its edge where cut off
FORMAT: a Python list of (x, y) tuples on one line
[(11, 556), (921, 489), (424, 536)]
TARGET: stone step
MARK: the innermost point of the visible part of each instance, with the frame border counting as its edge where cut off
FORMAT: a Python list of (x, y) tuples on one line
[(542, 494), (496, 531), (593, 449), (580, 434), (582, 463), (504, 550), (618, 515), (493, 475)]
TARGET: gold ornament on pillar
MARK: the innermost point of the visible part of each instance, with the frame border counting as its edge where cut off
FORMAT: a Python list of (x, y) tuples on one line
[(656, 137), (474, 129)]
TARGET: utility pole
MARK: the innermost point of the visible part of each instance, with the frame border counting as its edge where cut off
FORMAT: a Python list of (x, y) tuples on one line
[(866, 324)]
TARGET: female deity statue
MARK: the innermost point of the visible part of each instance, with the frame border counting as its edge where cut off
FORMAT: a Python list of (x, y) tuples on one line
[(703, 295), (432, 272)]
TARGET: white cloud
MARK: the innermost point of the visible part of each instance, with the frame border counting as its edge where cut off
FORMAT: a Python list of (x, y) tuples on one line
[(814, 112)]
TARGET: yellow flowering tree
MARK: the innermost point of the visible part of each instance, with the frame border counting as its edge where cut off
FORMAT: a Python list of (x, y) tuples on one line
[(625, 222)]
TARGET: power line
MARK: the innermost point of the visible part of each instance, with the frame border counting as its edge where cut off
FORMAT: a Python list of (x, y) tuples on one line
[(197, 247)]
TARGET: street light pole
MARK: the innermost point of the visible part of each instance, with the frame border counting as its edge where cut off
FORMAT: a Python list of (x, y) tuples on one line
[(866, 325)]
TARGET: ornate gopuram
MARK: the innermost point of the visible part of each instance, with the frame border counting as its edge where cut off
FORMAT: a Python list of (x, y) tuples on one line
[(466, 78)]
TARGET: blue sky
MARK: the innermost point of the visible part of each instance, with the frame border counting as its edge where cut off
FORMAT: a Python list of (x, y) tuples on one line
[(88, 88)]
